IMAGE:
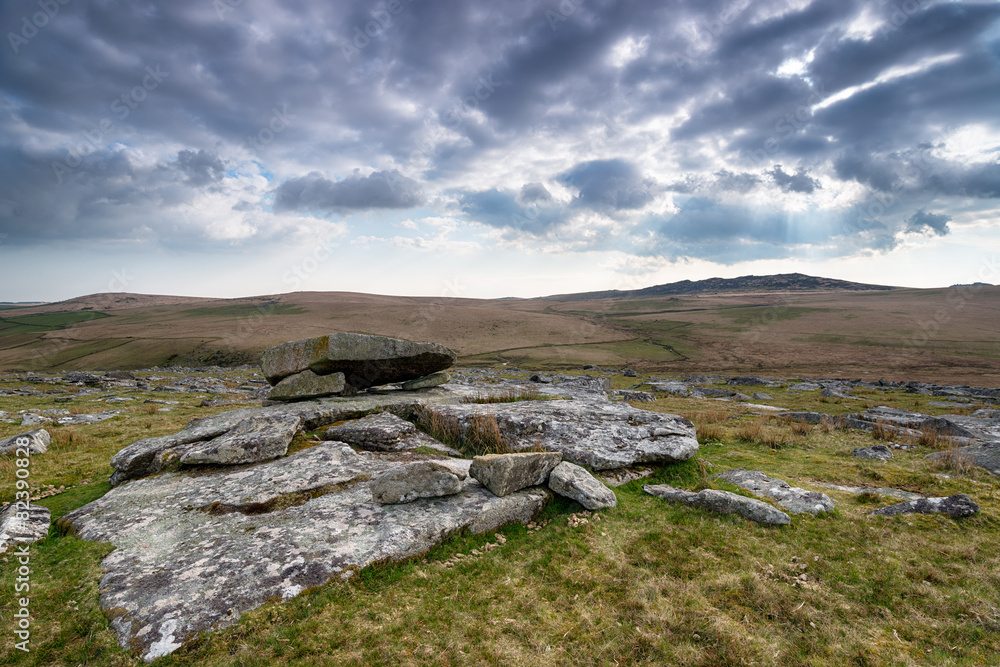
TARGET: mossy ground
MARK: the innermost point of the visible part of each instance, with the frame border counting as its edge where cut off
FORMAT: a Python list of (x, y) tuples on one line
[(645, 583)]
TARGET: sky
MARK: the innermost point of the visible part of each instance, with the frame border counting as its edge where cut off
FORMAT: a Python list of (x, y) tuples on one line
[(466, 148)]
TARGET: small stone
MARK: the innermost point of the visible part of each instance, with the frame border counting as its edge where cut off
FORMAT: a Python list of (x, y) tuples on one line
[(722, 502), (792, 498), (254, 439), (36, 441), (23, 523), (503, 474), (307, 385), (424, 479), (573, 481), (877, 452), (761, 396), (956, 506), (427, 381)]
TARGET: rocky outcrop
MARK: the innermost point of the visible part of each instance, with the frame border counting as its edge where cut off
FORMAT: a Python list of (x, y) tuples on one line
[(306, 384), (793, 499), (36, 442), (637, 396), (721, 502), (957, 506), (196, 552), (365, 360), (804, 386), (503, 474), (571, 481), (385, 432), (985, 455), (423, 479), (876, 452), (23, 523), (595, 433)]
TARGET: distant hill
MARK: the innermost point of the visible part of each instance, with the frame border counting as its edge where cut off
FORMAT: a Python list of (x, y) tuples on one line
[(784, 282)]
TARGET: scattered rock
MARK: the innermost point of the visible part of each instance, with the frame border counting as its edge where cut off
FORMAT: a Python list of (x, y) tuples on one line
[(63, 399), (305, 385), (78, 377), (426, 382), (722, 502), (793, 499), (881, 490), (254, 439), (120, 375), (365, 360), (23, 523), (31, 419), (984, 455), (570, 480), (750, 380), (629, 373), (542, 379), (957, 506), (639, 396), (760, 396), (423, 479), (36, 441), (674, 388), (877, 452), (804, 386), (830, 392), (503, 474), (986, 414)]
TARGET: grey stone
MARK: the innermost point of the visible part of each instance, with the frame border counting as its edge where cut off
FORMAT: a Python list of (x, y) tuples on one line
[(541, 379), (31, 419), (305, 385), (986, 413), (365, 360), (881, 490), (830, 392), (740, 397), (804, 386), (595, 433), (985, 455), (194, 553), (622, 476), (750, 380), (675, 388), (711, 392), (385, 432), (571, 481), (120, 375), (37, 442), (23, 523), (423, 479), (82, 378), (793, 499), (760, 396), (254, 439), (957, 506), (629, 373), (503, 474), (722, 502), (427, 381), (638, 396), (877, 452)]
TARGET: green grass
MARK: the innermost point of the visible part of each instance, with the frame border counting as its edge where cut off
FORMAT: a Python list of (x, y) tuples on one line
[(53, 321), (646, 583), (242, 310)]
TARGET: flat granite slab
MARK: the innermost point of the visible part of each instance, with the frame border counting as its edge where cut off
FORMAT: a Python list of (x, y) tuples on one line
[(196, 550)]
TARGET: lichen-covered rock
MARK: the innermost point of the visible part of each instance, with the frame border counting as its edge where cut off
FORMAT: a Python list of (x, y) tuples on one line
[(385, 432), (721, 502), (23, 523), (426, 382), (365, 360), (638, 396), (36, 442), (423, 479), (503, 474), (254, 439), (306, 384), (792, 498), (876, 452), (957, 506), (150, 455), (196, 552), (571, 481), (596, 433)]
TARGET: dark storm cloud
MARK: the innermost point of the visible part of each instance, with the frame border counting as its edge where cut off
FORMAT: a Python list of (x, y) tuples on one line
[(922, 221), (380, 189), (609, 185), (500, 209), (172, 100), (800, 181)]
